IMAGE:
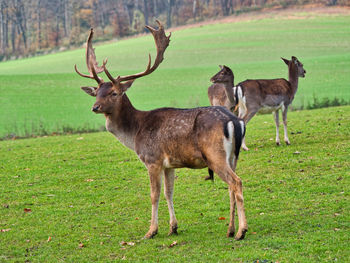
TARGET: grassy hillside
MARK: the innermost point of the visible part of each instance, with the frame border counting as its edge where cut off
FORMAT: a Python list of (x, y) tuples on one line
[(87, 194), (41, 95)]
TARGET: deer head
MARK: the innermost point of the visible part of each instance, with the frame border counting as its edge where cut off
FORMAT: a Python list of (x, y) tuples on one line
[(295, 65), (225, 75), (109, 93)]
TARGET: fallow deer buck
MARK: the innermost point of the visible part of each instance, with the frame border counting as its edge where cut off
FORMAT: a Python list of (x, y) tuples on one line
[(169, 138), (266, 95)]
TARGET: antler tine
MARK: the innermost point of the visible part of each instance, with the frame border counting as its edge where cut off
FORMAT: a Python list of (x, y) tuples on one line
[(162, 42), (91, 62), (114, 81)]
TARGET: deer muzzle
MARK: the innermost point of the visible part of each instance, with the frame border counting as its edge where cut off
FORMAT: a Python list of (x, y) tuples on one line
[(96, 108)]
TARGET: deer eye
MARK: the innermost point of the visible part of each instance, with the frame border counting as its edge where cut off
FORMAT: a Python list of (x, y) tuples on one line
[(114, 94)]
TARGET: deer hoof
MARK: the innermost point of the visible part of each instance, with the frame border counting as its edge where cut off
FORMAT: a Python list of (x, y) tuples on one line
[(278, 143), (150, 234), (230, 233), (287, 142), (241, 234), (209, 178), (173, 231), (245, 148)]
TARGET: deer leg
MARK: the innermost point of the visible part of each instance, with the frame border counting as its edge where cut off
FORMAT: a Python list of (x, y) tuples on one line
[(169, 176), (210, 176), (226, 173), (246, 118), (284, 116), (237, 188), (155, 173), (276, 117)]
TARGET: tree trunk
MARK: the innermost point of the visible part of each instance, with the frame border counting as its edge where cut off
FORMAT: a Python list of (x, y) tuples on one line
[(145, 10), (38, 32), (169, 12), (194, 9)]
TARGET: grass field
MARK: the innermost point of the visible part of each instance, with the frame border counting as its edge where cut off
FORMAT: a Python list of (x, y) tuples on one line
[(77, 198), (42, 95)]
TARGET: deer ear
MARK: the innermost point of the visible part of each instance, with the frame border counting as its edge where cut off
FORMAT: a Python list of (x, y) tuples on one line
[(220, 66), (285, 61), (126, 85), (295, 60), (90, 90)]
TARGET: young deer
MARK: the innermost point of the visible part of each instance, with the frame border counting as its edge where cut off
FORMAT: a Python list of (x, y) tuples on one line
[(221, 92), (169, 138), (268, 95)]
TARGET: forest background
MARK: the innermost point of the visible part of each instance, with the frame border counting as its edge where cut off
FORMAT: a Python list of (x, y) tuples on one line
[(44, 26)]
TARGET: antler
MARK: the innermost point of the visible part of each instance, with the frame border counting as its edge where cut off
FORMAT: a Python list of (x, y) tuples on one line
[(162, 42), (91, 62)]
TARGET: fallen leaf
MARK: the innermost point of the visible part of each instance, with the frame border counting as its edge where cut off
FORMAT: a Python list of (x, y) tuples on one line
[(336, 229), (27, 210), (89, 180), (136, 218), (297, 152), (262, 213), (80, 138), (49, 239), (27, 169), (5, 230), (254, 233), (81, 245), (336, 214), (6, 206), (173, 244), (123, 243), (131, 243), (221, 218)]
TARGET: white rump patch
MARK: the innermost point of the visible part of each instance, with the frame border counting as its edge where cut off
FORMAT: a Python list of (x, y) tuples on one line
[(228, 142), (239, 92), (242, 127), (241, 102)]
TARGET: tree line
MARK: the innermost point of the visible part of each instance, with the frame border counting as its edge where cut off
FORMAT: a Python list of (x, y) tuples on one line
[(38, 26)]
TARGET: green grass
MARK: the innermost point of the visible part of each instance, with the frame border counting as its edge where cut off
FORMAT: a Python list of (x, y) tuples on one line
[(41, 95), (89, 189)]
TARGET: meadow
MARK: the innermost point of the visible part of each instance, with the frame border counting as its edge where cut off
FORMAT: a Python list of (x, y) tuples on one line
[(41, 95), (85, 198)]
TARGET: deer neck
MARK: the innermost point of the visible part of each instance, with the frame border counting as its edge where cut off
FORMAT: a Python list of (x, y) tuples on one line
[(293, 78), (124, 122), (229, 91)]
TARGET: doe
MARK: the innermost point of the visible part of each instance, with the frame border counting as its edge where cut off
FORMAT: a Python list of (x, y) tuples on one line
[(261, 95)]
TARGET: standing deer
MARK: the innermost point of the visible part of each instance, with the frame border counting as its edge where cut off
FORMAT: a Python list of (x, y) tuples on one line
[(221, 92), (169, 138), (268, 95)]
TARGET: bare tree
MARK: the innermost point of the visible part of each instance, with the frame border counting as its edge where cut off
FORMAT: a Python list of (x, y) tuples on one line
[(169, 11)]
